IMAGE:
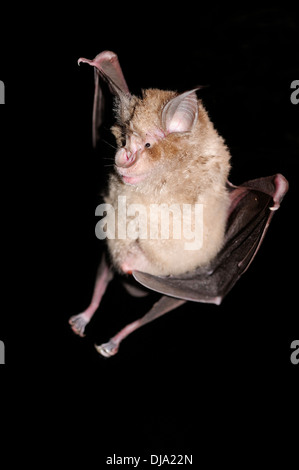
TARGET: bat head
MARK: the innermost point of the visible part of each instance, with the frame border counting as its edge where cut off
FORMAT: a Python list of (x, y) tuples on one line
[(163, 138), (151, 131)]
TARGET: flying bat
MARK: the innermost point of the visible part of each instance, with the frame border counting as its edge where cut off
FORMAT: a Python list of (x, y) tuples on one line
[(169, 184)]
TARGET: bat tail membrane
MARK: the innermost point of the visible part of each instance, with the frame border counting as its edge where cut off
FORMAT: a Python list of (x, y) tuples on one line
[(253, 205)]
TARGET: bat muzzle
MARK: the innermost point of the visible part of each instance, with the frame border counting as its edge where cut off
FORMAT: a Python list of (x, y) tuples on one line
[(125, 158)]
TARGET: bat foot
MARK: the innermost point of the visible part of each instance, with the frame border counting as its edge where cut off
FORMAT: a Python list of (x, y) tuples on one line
[(107, 349), (78, 324)]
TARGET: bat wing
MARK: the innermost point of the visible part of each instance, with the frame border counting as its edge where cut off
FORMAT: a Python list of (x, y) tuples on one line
[(107, 67), (252, 207)]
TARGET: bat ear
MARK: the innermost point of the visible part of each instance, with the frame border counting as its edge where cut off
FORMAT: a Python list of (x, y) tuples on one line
[(180, 113)]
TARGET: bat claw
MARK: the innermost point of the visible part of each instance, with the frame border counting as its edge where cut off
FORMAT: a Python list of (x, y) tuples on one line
[(107, 349), (78, 324)]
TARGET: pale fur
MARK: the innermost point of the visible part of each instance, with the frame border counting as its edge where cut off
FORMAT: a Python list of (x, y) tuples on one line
[(181, 168)]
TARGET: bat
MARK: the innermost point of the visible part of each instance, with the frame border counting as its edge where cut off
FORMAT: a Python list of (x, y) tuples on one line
[(169, 186)]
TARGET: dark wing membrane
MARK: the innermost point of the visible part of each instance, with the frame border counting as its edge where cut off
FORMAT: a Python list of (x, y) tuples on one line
[(106, 66), (252, 207), (98, 109)]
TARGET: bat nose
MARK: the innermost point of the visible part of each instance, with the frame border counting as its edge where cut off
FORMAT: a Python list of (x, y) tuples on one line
[(125, 158)]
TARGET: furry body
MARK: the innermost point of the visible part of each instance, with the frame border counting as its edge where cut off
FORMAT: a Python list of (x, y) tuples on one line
[(178, 161)]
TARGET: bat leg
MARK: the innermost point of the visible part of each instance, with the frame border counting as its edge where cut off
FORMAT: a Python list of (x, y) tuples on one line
[(165, 304), (104, 276)]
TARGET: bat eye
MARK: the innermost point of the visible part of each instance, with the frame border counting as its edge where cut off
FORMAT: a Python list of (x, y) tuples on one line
[(147, 145)]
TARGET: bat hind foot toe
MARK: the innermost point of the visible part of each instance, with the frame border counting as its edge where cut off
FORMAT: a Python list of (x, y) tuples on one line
[(78, 324), (107, 349)]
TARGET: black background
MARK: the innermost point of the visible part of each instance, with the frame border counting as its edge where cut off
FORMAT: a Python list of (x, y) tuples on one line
[(204, 380)]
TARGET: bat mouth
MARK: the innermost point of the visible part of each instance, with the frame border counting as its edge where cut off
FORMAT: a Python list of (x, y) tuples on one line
[(128, 172), (128, 176), (132, 180)]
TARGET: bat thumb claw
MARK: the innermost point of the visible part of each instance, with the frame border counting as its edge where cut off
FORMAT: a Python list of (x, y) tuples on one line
[(86, 61)]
